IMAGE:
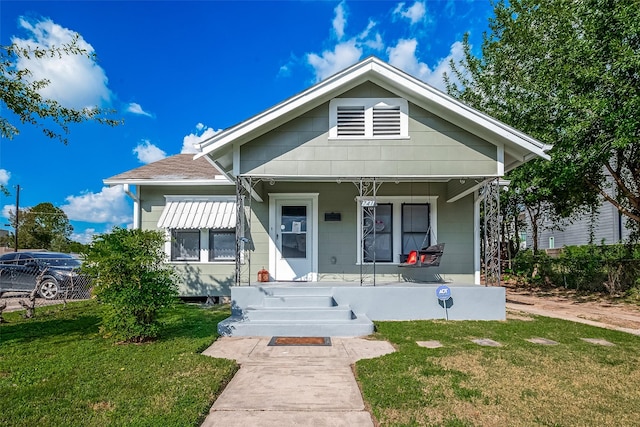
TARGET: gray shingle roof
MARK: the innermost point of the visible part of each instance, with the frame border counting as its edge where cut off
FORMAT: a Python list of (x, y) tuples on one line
[(174, 168)]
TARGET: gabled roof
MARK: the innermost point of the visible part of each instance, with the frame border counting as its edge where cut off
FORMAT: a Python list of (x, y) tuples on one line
[(172, 170), (516, 143)]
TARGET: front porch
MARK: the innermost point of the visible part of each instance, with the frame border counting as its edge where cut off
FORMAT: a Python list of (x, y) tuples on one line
[(345, 309)]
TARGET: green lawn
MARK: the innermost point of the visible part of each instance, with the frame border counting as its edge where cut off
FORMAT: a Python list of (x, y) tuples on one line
[(574, 383), (57, 370)]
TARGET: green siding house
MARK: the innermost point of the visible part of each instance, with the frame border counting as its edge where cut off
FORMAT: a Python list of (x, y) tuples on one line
[(337, 184)]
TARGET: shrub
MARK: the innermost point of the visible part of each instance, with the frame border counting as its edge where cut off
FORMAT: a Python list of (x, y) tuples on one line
[(131, 280), (593, 268), (533, 267), (581, 268)]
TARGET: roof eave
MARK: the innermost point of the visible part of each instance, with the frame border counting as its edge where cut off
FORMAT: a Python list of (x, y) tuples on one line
[(157, 182)]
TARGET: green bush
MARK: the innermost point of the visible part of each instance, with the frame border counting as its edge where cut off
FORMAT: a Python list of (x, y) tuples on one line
[(593, 268), (581, 268), (132, 282), (533, 267)]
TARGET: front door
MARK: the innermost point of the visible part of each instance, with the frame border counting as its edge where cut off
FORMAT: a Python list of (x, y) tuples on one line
[(292, 235)]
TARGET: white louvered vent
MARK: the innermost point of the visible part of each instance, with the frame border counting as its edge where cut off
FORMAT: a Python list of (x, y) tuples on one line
[(369, 118), (386, 120), (351, 121)]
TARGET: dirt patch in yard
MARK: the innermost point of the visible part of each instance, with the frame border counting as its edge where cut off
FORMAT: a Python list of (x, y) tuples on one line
[(588, 308)]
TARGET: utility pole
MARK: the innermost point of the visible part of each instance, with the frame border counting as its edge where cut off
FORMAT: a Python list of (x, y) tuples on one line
[(17, 217)]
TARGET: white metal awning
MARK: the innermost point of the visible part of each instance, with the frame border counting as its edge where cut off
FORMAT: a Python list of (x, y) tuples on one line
[(181, 213)]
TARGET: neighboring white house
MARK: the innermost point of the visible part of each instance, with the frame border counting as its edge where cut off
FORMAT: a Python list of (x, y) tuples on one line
[(606, 225), (348, 176)]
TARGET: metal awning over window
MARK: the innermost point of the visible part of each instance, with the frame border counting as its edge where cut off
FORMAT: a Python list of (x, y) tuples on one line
[(198, 212)]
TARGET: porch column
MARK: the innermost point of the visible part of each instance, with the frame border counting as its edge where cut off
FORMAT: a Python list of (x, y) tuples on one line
[(244, 190), (491, 205), (477, 242), (367, 202)]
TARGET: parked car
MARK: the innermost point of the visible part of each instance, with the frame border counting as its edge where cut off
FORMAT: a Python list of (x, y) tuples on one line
[(57, 272)]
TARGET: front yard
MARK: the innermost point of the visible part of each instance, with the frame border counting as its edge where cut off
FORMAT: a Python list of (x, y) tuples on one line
[(520, 383), (57, 370)]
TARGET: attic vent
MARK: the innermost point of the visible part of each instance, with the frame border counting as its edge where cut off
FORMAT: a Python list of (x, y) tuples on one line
[(351, 121), (369, 118), (386, 120)]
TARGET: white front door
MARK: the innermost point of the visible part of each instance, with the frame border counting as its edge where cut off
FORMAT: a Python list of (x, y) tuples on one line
[(294, 237)]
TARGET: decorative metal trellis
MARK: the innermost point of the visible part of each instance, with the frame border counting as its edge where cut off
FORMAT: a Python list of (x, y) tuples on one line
[(491, 238), (367, 203), (244, 245)]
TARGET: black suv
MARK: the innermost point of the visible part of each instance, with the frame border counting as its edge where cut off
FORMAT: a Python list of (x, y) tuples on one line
[(57, 272)]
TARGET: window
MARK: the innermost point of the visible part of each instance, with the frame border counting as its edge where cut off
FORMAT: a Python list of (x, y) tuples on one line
[(185, 245), (222, 245), (401, 223), (378, 228), (358, 118), (212, 245), (201, 228), (415, 227)]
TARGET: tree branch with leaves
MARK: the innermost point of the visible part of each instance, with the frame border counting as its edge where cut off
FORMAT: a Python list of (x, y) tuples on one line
[(567, 73), (21, 94)]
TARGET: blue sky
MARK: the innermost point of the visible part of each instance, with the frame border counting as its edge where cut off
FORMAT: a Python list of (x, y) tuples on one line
[(178, 72)]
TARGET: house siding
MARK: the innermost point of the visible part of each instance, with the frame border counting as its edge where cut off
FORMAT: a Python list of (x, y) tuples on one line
[(339, 239), (302, 147), (194, 278), (335, 239), (607, 227)]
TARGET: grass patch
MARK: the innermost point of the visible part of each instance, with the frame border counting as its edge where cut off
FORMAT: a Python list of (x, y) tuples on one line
[(57, 369), (574, 383)]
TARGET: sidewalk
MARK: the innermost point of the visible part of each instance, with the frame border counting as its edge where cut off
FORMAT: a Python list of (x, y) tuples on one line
[(292, 385)]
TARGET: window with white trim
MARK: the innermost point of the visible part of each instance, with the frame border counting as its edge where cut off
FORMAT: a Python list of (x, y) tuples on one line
[(401, 224), (358, 118), (203, 245)]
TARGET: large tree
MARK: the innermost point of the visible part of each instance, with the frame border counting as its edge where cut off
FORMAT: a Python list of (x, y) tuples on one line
[(43, 226), (20, 94), (568, 73)]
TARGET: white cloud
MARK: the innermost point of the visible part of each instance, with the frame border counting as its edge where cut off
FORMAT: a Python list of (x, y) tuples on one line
[(76, 81), (136, 108), (84, 237), (148, 153), (376, 44), (189, 141), (343, 55), (339, 20), (108, 206), (5, 175), (414, 14), (7, 210), (403, 56), (346, 52)]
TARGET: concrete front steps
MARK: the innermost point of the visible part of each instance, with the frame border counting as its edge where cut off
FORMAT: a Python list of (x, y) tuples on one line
[(296, 312)]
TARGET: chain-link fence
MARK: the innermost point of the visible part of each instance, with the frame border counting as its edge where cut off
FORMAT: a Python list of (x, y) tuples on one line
[(30, 280)]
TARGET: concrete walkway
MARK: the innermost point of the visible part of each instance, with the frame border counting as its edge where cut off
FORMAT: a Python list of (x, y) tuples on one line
[(292, 385)]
